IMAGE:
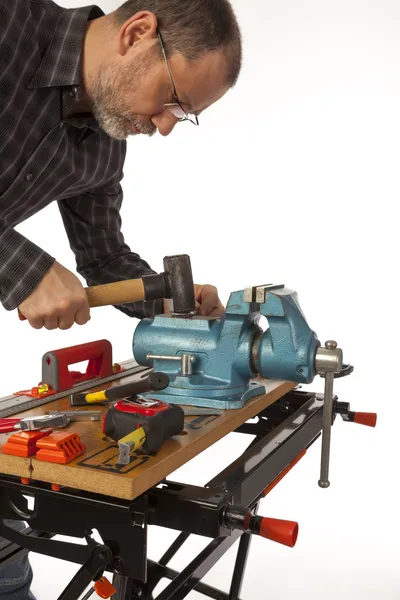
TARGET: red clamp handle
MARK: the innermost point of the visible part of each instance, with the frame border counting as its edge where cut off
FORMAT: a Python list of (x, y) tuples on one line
[(280, 531), (55, 364), (364, 418), (104, 588), (276, 530)]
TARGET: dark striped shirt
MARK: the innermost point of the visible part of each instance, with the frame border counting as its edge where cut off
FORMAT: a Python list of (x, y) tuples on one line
[(46, 156)]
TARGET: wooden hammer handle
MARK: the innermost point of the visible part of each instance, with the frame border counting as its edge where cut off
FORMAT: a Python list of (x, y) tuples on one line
[(119, 292), (108, 294)]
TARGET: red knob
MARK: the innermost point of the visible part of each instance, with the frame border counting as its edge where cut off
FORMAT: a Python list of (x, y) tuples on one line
[(278, 530), (104, 588), (363, 418)]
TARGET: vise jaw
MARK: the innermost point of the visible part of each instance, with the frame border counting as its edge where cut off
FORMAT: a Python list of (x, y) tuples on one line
[(286, 350), (213, 362)]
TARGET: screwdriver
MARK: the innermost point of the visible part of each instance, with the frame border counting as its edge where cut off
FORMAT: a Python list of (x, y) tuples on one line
[(152, 382)]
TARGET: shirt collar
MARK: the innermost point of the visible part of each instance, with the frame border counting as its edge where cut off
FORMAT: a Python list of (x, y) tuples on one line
[(61, 61)]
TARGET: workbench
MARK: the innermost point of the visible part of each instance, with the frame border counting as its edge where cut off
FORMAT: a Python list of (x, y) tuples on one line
[(97, 470), (120, 501), (228, 362)]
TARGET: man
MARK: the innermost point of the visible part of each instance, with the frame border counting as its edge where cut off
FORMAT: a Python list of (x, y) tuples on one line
[(74, 84)]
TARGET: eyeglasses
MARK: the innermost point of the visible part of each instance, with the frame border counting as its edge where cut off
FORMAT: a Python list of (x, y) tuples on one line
[(175, 107)]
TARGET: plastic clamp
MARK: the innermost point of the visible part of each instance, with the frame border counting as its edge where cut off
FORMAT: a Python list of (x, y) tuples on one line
[(60, 447), (24, 443), (56, 374)]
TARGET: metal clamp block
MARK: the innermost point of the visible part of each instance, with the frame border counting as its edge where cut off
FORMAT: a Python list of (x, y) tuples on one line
[(186, 361)]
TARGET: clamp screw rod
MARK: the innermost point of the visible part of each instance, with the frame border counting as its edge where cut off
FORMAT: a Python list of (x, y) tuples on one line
[(326, 430), (327, 422)]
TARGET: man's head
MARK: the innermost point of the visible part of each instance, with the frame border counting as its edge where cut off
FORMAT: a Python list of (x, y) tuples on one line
[(157, 61)]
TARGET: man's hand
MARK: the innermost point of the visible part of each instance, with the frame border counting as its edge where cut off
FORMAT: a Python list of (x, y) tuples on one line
[(207, 300), (58, 301)]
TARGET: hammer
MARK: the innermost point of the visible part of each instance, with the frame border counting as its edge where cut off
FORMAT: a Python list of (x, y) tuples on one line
[(175, 283)]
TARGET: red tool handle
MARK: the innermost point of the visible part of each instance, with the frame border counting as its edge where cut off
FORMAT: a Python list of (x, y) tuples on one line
[(7, 425), (55, 364), (364, 418), (280, 531)]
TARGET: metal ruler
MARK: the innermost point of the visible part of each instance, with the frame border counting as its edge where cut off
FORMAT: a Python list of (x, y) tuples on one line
[(10, 405)]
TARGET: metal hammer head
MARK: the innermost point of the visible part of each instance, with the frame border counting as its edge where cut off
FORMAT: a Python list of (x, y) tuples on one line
[(179, 283)]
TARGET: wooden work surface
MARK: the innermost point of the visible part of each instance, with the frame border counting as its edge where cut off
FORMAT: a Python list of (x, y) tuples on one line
[(97, 469)]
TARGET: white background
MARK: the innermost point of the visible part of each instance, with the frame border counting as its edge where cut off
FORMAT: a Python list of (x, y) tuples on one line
[(292, 178)]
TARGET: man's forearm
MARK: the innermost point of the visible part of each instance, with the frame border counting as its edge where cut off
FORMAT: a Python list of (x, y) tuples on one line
[(22, 266), (93, 225)]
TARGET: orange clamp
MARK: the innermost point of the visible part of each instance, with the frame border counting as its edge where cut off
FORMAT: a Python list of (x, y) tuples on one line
[(40, 391), (104, 588), (60, 447), (24, 443)]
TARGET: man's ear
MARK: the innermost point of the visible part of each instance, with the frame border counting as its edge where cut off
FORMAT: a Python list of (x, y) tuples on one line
[(141, 26)]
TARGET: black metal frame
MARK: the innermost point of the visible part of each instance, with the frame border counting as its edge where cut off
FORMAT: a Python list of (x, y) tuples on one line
[(281, 432)]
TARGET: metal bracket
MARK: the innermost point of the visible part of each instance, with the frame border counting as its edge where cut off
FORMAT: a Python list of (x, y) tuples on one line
[(256, 294), (73, 513), (186, 361)]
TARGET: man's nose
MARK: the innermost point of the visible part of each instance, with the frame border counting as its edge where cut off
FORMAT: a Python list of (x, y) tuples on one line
[(165, 122)]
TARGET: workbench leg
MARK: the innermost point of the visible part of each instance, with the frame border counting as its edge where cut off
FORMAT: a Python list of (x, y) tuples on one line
[(128, 589), (173, 549), (240, 564)]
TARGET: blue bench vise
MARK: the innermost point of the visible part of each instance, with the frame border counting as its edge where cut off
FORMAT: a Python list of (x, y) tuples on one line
[(222, 362), (214, 362)]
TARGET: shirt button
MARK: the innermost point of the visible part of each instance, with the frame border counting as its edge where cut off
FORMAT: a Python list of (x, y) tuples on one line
[(28, 176), (73, 92)]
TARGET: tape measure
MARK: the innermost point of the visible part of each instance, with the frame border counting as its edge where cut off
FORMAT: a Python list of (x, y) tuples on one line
[(142, 424)]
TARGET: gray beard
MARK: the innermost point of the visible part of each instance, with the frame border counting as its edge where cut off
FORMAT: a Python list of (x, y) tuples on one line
[(108, 109), (117, 127)]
